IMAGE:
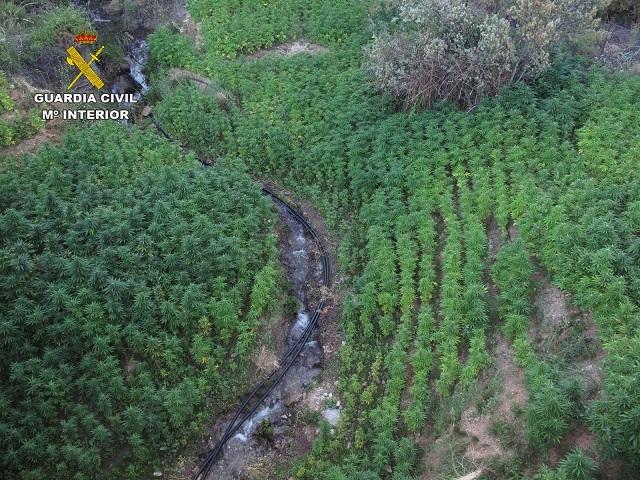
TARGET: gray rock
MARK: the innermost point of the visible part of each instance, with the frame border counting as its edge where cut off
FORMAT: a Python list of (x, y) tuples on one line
[(125, 84), (114, 8), (331, 415), (312, 355)]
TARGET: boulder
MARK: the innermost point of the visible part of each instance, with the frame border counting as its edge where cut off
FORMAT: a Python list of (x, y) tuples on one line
[(331, 415)]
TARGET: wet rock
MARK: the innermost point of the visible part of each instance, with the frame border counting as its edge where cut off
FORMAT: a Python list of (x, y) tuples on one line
[(296, 381), (124, 67), (331, 415), (125, 84), (312, 355)]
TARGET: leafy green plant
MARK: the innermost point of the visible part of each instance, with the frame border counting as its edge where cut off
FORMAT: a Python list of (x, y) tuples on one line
[(6, 102), (548, 415), (264, 431), (143, 295), (577, 466)]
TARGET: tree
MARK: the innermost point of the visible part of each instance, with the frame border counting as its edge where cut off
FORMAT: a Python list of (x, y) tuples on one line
[(461, 50)]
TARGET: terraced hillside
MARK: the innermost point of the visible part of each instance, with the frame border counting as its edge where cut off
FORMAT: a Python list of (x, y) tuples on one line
[(489, 263), (542, 175)]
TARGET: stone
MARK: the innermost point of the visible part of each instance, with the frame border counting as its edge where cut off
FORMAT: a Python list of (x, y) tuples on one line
[(125, 84), (124, 67), (146, 111), (312, 355), (331, 415), (157, 473)]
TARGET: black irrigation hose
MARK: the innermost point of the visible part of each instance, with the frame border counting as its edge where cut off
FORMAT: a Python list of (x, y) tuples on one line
[(289, 358), (233, 427)]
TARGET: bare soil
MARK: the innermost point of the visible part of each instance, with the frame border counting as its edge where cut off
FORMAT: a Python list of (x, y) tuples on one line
[(514, 391), (485, 446), (22, 92), (51, 133), (289, 49)]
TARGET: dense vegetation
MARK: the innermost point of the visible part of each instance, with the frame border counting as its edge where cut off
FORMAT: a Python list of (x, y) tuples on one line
[(33, 37), (133, 283), (15, 126), (554, 159), (462, 50)]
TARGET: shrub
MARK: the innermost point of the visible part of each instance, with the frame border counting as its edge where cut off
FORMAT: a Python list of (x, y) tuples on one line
[(577, 466), (6, 102), (124, 269), (616, 417), (547, 415), (190, 115), (461, 51)]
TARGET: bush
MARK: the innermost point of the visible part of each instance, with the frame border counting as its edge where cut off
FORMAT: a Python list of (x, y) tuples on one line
[(6, 102), (462, 51), (577, 466), (548, 415), (125, 269), (616, 417), (191, 116)]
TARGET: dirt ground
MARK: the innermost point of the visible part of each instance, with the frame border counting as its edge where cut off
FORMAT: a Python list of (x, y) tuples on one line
[(51, 133)]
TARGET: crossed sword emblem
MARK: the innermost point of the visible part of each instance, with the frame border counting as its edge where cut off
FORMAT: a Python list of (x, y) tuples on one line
[(76, 59)]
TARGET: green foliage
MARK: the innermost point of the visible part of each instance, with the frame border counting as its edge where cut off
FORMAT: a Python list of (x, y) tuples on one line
[(33, 36), (574, 466), (194, 117), (410, 194), (15, 126), (51, 25), (616, 417), (30, 29), (170, 48), (264, 431), (130, 278), (244, 26), (24, 126), (548, 413), (512, 272), (6, 102), (577, 466), (234, 27)]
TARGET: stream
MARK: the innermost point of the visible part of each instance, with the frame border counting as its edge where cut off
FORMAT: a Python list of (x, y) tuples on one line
[(245, 447), (111, 27)]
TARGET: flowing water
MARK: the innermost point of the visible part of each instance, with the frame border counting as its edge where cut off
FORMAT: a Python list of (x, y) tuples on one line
[(244, 447), (110, 26)]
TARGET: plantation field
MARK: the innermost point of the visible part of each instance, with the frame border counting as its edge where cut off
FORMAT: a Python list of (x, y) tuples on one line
[(134, 283), (413, 195), (491, 262)]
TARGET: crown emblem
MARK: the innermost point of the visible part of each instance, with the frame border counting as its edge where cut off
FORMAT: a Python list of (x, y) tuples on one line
[(86, 38)]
